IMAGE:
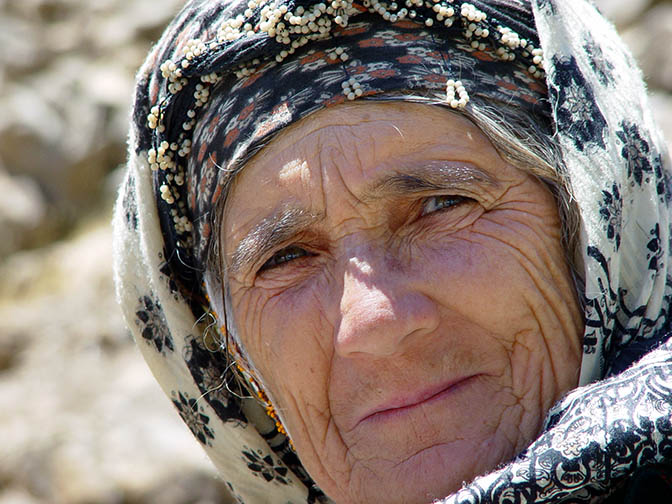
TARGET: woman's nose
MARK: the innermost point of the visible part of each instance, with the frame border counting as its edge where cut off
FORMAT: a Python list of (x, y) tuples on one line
[(382, 308)]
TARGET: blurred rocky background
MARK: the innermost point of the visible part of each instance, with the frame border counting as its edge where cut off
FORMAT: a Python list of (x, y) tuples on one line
[(81, 419)]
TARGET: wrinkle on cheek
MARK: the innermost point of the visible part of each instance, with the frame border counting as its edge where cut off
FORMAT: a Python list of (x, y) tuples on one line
[(254, 309), (517, 416), (320, 443), (526, 367)]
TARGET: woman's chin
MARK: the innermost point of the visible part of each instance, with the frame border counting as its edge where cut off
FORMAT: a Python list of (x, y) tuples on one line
[(433, 473), (423, 452)]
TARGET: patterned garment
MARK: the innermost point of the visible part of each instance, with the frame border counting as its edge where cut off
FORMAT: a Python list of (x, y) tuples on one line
[(226, 76)]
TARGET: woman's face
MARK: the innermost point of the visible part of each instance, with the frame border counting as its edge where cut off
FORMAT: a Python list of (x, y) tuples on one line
[(403, 294)]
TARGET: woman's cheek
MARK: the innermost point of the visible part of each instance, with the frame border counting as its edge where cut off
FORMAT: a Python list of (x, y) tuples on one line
[(248, 308), (481, 277), (288, 334), (297, 363)]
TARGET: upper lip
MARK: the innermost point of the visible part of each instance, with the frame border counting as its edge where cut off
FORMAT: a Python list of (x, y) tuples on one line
[(414, 398)]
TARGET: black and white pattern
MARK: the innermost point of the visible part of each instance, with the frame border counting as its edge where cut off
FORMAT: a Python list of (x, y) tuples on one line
[(620, 420), (577, 112), (192, 414), (264, 466), (610, 212), (152, 324)]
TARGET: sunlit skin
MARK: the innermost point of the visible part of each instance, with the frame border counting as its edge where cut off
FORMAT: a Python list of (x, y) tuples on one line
[(411, 315)]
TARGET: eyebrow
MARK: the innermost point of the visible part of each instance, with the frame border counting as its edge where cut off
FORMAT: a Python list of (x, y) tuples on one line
[(289, 221), (432, 175)]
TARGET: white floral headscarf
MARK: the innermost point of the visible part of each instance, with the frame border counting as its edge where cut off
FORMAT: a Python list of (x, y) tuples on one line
[(619, 173)]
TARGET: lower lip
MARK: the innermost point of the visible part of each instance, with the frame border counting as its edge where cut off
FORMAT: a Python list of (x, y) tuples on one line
[(393, 413)]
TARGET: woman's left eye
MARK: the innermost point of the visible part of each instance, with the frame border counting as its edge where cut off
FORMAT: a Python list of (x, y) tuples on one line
[(284, 256), (435, 203)]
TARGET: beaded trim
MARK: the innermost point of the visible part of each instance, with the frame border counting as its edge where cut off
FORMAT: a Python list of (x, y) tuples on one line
[(252, 380)]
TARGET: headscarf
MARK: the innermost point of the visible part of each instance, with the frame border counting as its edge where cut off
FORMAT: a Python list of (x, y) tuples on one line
[(226, 77)]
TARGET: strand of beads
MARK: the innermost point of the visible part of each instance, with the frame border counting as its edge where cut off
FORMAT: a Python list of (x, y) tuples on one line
[(473, 19), (352, 89), (162, 157), (246, 69), (261, 395), (459, 100), (337, 53), (192, 49), (536, 68), (444, 13)]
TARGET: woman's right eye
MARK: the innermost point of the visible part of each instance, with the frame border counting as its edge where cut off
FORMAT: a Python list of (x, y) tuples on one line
[(284, 256), (434, 204)]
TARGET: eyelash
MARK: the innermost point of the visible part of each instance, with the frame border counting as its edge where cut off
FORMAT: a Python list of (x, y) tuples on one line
[(446, 201), (284, 256), (293, 252)]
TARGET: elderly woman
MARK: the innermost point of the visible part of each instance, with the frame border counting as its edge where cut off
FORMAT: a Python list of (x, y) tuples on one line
[(368, 249)]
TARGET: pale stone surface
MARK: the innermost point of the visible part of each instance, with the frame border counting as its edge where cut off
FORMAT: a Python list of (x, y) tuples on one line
[(22, 210), (66, 77), (623, 12), (650, 42)]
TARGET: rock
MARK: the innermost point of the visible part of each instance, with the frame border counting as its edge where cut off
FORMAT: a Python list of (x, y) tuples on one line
[(17, 496), (661, 103), (622, 12), (57, 131), (650, 42), (67, 71), (21, 50), (22, 211)]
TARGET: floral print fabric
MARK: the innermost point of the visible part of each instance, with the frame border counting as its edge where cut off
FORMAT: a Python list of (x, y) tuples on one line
[(233, 95)]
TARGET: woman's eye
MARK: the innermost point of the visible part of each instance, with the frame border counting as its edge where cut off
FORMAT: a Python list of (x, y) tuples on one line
[(284, 256), (435, 203)]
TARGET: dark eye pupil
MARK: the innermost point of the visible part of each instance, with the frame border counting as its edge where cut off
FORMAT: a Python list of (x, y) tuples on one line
[(283, 256), (446, 201), (435, 203)]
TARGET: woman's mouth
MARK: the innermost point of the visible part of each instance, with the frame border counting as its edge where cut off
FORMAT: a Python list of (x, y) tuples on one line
[(405, 403)]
